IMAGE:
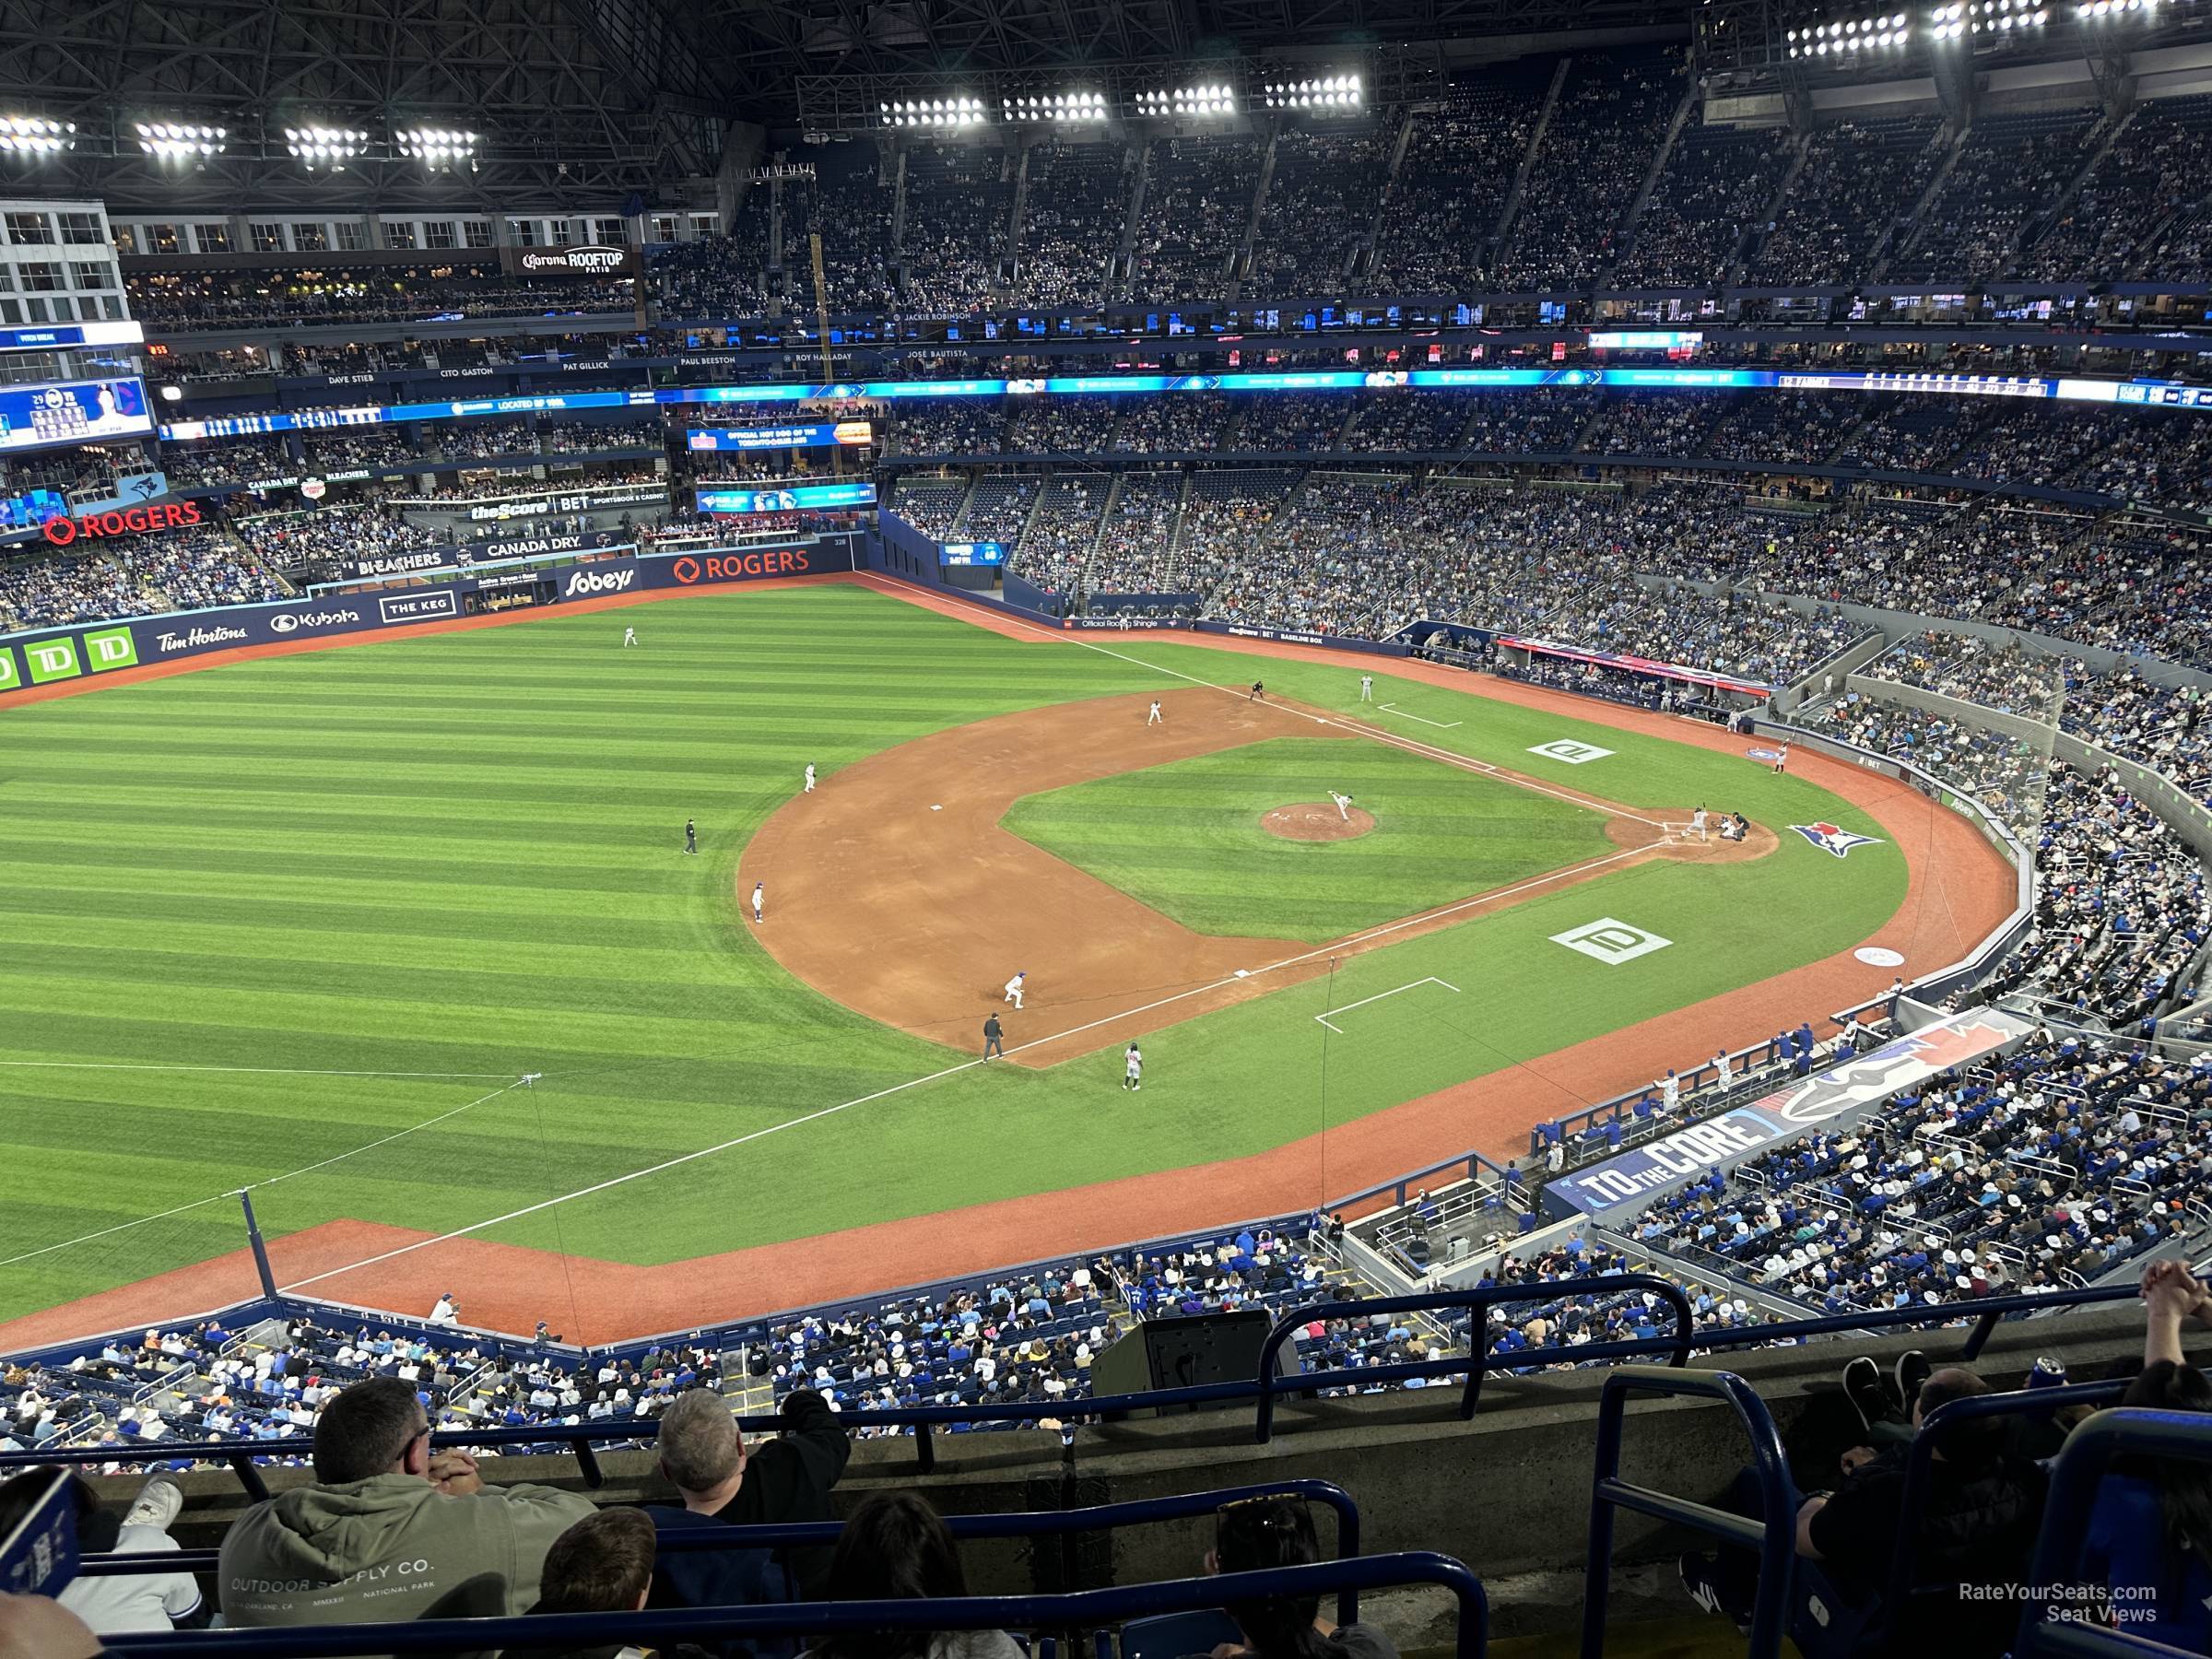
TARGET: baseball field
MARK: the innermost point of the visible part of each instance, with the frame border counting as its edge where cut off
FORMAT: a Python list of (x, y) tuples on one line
[(301, 926)]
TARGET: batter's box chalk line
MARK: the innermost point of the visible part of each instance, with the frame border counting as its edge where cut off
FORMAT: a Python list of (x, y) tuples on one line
[(1328, 1019)]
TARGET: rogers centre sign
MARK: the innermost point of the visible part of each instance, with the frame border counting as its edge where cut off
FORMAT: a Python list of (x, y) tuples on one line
[(125, 520)]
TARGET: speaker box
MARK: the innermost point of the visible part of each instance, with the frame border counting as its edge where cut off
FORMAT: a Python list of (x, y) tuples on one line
[(1183, 1352)]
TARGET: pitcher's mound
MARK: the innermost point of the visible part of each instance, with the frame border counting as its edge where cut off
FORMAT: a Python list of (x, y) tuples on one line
[(1316, 821)]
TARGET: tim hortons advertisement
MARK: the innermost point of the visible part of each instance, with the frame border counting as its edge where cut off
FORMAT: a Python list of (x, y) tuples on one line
[(589, 260)]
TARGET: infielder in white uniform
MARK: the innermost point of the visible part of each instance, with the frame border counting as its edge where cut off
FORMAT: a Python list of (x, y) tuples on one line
[(1342, 802), (1133, 1069), (1154, 718), (809, 777), (1366, 687), (629, 637), (758, 887), (1014, 987)]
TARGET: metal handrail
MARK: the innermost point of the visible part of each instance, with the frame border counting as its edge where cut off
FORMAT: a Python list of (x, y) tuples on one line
[(568, 1632), (1475, 1363), (2045, 1627), (1096, 1517), (243, 1455), (1772, 1537)]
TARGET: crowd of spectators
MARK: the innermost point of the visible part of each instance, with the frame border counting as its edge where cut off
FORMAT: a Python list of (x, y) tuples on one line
[(1135, 551), (1198, 200), (2156, 167), (999, 507), (484, 440), (1603, 137), (1057, 546), (2050, 1167), (1182, 423), (1860, 177), (960, 200), (1322, 197), (237, 460), (1717, 182), (1075, 204), (715, 278), (1451, 188), (2010, 167), (930, 505), (332, 532), (588, 437), (950, 426), (344, 451)]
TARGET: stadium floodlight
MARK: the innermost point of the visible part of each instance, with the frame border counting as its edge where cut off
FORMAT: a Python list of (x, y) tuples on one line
[(435, 147), (1215, 97), (325, 147), (957, 111), (180, 140), (1854, 34), (1064, 107), (1338, 94), (36, 135)]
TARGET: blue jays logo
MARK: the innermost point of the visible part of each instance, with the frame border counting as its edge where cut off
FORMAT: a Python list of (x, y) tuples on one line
[(1835, 842)]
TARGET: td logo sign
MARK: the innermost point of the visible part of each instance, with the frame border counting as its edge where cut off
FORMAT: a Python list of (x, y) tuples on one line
[(1611, 941), (98, 652)]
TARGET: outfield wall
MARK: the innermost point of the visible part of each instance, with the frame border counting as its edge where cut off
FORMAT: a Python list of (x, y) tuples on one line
[(50, 656)]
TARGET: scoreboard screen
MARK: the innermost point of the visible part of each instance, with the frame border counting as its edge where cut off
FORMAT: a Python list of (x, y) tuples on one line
[(971, 553), (818, 434), (67, 412), (796, 498)]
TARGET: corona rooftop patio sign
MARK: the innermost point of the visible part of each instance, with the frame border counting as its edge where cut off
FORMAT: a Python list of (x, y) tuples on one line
[(123, 521)]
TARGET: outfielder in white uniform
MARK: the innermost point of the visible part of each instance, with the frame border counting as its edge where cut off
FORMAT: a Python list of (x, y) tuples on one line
[(758, 887), (809, 777), (1155, 718), (1014, 987), (1133, 1069), (1343, 802), (1366, 687), (629, 637)]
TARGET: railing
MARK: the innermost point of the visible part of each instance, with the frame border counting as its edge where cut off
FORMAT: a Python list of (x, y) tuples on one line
[(1082, 1610), (1772, 1538), (244, 1456), (1096, 1517), (2047, 1626)]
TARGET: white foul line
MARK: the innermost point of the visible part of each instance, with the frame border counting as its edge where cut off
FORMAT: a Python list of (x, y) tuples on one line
[(259, 1071), (1378, 996), (1441, 725)]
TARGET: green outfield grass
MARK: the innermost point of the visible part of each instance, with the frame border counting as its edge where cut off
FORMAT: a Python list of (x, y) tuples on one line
[(237, 905), (1186, 839)]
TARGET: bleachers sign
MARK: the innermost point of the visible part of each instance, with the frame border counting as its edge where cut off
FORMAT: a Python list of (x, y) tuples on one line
[(1840, 1095)]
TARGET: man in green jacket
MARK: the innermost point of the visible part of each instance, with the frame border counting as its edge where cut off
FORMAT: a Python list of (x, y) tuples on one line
[(390, 1530)]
